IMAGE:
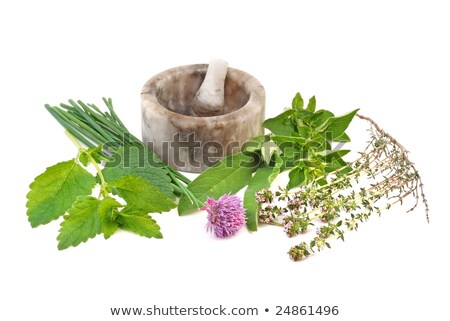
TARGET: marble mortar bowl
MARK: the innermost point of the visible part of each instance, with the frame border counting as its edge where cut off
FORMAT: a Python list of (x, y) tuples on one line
[(190, 143)]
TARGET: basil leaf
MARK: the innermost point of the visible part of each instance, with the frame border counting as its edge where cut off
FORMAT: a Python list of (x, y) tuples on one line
[(263, 177), (338, 125), (280, 125), (297, 102), (229, 176)]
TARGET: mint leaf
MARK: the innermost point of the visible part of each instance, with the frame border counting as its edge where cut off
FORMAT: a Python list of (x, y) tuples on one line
[(54, 191), (143, 196), (107, 210), (81, 223), (139, 223), (263, 177), (229, 176), (137, 161), (338, 125)]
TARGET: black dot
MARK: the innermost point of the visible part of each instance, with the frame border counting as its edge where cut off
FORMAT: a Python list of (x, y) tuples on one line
[(267, 310)]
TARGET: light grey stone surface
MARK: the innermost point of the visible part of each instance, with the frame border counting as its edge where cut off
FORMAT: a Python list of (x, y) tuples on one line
[(167, 117)]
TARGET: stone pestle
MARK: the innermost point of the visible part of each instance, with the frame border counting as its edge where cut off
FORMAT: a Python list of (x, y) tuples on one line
[(210, 98)]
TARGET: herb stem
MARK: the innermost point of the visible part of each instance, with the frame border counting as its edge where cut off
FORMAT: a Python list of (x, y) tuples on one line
[(82, 150)]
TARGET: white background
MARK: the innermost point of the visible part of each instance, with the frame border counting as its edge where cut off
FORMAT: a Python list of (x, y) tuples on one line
[(389, 58)]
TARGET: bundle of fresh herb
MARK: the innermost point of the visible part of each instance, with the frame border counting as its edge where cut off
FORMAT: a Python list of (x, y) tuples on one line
[(339, 201), (65, 190), (300, 141), (93, 127), (132, 180)]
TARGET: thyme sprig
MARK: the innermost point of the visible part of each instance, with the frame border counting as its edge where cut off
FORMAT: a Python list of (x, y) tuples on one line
[(382, 176)]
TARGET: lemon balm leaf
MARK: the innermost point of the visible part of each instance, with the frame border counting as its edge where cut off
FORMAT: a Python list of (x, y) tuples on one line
[(54, 191), (141, 224), (107, 210), (139, 162), (143, 196), (81, 223)]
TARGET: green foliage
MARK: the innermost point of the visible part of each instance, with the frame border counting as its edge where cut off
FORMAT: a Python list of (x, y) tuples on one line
[(66, 188), (139, 223), (300, 141), (108, 212), (304, 138), (228, 176), (337, 125), (81, 223), (280, 125), (144, 197), (263, 177), (137, 161), (104, 134), (54, 191)]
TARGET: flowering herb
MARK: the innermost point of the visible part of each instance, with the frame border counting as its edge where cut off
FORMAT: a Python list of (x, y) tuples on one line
[(339, 201), (300, 141), (225, 216)]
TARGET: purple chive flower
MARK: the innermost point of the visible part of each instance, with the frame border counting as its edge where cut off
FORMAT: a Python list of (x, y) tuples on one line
[(225, 216)]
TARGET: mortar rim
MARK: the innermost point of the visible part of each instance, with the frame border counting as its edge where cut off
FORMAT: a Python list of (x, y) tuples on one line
[(150, 90)]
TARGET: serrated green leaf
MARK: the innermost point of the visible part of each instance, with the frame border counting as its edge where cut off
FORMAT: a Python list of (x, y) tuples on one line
[(297, 102), (280, 125), (338, 125), (137, 161), (311, 104), (139, 193), (142, 225), (229, 176), (263, 177), (108, 211), (81, 223), (54, 191)]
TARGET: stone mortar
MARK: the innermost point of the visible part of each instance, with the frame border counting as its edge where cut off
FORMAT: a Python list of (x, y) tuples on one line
[(190, 143)]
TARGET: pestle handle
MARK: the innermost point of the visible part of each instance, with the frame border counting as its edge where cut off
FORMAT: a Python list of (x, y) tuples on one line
[(210, 98)]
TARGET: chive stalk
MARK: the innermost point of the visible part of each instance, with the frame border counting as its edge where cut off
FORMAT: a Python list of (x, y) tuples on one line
[(92, 127)]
